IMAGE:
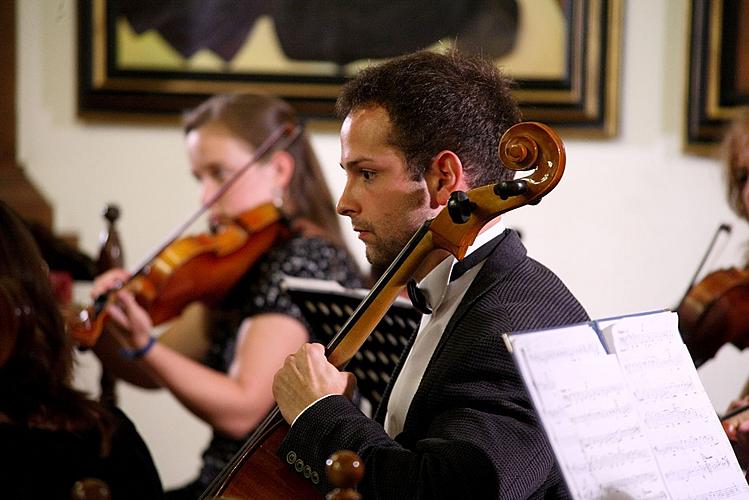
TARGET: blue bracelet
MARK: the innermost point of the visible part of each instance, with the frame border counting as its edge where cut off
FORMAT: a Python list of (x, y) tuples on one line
[(138, 353)]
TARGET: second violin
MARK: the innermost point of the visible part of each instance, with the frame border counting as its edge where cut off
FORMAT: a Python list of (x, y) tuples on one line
[(715, 312)]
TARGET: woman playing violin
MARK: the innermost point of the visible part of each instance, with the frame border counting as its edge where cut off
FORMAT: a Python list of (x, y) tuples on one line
[(736, 162), (219, 361)]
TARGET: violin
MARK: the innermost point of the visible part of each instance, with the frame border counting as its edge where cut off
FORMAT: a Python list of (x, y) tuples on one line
[(196, 268), (715, 311), (256, 471)]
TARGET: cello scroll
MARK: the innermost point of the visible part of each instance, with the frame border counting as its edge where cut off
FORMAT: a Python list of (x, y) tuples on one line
[(524, 147)]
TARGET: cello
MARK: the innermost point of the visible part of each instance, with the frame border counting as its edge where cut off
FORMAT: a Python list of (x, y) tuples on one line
[(256, 471)]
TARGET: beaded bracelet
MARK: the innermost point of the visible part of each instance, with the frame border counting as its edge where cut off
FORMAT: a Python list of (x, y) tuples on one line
[(138, 353)]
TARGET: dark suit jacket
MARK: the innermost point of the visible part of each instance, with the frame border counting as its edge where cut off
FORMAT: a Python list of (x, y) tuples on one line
[(470, 431)]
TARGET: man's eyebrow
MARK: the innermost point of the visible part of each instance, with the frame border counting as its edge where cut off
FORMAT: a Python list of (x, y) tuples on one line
[(353, 163)]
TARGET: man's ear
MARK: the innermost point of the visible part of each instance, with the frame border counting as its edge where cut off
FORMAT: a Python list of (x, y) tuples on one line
[(444, 175), (283, 165)]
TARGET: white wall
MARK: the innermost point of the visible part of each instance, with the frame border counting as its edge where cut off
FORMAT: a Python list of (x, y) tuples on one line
[(625, 228)]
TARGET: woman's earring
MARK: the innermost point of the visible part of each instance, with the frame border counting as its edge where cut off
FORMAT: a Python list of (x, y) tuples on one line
[(277, 195)]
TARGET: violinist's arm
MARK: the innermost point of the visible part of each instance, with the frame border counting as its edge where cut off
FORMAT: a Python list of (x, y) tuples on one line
[(236, 402), (187, 335)]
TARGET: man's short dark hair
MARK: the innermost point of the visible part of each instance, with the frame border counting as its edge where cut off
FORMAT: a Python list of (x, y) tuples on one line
[(438, 101)]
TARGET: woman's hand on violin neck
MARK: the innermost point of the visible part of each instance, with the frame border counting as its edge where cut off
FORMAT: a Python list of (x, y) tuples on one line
[(112, 279)]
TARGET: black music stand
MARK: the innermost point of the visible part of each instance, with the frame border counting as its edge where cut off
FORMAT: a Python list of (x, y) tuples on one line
[(326, 306)]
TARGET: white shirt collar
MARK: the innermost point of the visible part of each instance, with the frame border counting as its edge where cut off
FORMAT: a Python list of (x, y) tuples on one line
[(435, 283)]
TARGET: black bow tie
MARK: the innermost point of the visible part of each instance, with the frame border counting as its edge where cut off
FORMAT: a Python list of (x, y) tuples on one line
[(418, 299)]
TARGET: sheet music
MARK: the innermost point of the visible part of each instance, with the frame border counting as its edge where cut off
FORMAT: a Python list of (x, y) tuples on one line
[(592, 422), (634, 423), (692, 450)]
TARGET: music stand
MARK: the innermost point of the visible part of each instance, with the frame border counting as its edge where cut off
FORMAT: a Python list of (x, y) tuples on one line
[(326, 306)]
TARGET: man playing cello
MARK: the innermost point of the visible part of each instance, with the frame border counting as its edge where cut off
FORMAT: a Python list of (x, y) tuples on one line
[(456, 420)]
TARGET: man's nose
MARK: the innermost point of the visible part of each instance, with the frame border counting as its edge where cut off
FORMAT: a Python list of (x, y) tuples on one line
[(346, 205)]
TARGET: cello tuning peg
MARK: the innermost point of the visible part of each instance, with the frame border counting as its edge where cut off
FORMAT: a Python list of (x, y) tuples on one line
[(506, 189), (460, 207)]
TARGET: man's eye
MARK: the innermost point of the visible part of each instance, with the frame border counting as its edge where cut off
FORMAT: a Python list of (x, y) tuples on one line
[(368, 175)]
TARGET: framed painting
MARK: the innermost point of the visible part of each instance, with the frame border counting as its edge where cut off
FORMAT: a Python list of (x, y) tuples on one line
[(140, 57), (718, 70)]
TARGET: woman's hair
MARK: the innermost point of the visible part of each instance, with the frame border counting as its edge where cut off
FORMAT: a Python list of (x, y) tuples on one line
[(736, 161), (252, 118), (36, 353)]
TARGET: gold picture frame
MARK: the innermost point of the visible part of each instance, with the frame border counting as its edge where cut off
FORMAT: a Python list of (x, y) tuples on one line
[(579, 96), (718, 83)]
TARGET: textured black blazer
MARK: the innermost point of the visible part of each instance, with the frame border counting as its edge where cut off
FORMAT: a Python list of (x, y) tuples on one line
[(470, 431)]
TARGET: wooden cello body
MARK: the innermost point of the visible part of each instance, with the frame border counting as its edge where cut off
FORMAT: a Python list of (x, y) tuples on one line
[(257, 471)]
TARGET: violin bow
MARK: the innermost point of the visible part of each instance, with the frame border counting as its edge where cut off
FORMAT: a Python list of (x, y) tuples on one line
[(722, 228)]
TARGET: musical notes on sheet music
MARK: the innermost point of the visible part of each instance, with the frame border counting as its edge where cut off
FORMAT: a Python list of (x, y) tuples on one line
[(673, 405), (635, 423)]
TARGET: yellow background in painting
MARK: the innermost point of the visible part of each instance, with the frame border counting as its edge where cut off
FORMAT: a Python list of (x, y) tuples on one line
[(539, 50)]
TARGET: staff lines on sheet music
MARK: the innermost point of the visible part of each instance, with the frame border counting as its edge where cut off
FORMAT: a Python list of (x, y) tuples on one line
[(674, 416), (620, 485), (616, 410), (572, 354), (657, 361), (727, 492), (610, 437), (698, 471), (683, 444), (591, 394), (674, 389), (643, 340), (612, 459)]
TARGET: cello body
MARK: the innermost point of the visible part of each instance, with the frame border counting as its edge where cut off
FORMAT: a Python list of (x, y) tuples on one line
[(262, 475)]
